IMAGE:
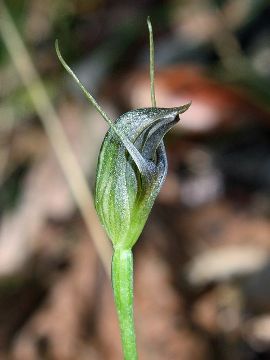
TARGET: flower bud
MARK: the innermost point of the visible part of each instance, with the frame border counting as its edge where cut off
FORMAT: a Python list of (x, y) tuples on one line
[(131, 170)]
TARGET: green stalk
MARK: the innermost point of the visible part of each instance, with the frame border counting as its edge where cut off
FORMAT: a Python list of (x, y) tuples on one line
[(122, 281)]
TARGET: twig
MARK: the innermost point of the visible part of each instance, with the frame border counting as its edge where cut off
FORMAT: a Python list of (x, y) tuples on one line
[(5, 152), (55, 132)]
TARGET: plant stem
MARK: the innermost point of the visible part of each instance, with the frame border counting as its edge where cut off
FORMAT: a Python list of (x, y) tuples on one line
[(122, 281)]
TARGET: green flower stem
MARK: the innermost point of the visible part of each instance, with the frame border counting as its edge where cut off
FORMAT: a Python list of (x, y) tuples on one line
[(122, 281)]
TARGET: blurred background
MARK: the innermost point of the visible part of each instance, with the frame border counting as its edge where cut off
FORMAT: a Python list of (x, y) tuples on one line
[(202, 265)]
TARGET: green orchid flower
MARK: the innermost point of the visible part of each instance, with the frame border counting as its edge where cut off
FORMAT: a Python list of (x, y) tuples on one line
[(128, 182), (132, 167)]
